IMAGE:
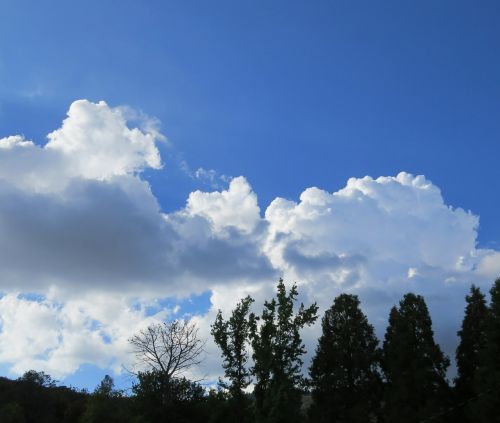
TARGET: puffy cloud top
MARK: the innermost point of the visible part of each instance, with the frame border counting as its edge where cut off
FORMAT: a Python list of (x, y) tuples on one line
[(236, 207), (13, 142), (97, 144), (399, 218), (93, 143)]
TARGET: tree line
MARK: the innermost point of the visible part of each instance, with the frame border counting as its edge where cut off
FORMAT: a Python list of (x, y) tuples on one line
[(352, 377)]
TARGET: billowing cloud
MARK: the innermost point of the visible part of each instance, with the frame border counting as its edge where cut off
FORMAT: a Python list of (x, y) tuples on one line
[(76, 216), (97, 144), (83, 231), (236, 207)]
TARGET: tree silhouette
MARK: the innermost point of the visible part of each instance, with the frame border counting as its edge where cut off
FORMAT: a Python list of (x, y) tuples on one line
[(277, 351), (472, 342), (232, 336), (344, 373), (34, 377), (413, 364), (180, 400), (487, 406), (168, 348), (106, 404)]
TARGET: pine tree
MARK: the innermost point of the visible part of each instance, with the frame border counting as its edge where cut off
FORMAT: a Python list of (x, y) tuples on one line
[(277, 351), (413, 364), (232, 336), (487, 406), (472, 341), (344, 372)]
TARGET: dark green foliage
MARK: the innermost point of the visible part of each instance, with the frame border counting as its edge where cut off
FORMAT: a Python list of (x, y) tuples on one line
[(12, 412), (107, 388), (277, 351), (37, 378), (413, 364), (344, 374), (472, 341), (28, 400), (221, 407), (158, 398), (232, 336), (487, 406), (107, 405)]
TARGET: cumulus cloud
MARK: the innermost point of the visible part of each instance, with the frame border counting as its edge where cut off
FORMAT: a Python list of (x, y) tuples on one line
[(97, 144), (489, 265), (80, 228), (236, 207), (86, 330), (94, 143), (76, 215)]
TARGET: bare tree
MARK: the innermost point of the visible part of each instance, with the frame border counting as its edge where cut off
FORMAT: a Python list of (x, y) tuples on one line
[(169, 348)]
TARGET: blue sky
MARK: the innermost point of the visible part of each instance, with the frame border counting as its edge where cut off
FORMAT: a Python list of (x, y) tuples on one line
[(289, 94)]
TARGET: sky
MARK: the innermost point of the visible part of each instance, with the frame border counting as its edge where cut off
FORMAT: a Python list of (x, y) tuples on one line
[(162, 159)]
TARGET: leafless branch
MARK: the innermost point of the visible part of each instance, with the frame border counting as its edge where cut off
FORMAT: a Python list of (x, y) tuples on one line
[(170, 348)]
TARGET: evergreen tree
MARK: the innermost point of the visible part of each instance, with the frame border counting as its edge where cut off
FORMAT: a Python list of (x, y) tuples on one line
[(487, 406), (344, 372), (472, 341), (277, 351), (232, 336), (413, 364)]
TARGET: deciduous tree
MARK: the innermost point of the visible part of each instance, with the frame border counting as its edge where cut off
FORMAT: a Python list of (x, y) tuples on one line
[(168, 348), (232, 337), (277, 353)]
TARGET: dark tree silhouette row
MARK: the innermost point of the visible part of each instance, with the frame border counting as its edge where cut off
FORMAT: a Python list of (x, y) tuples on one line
[(352, 377)]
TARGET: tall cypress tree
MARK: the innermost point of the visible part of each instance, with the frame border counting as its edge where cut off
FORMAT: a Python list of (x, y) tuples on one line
[(413, 364), (472, 341), (344, 373), (277, 351), (487, 406)]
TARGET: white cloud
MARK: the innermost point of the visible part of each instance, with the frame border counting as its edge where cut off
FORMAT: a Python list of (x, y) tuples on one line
[(489, 264), (58, 338), (399, 218), (14, 141), (236, 207), (97, 144), (94, 143), (80, 227), (75, 215)]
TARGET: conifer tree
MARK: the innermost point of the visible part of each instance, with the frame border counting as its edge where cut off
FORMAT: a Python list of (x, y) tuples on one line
[(413, 364), (232, 336), (472, 342), (277, 351), (487, 406), (344, 373)]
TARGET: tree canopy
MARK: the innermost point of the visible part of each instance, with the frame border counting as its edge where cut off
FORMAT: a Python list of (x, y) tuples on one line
[(414, 365), (472, 342), (277, 354), (345, 375), (232, 337)]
